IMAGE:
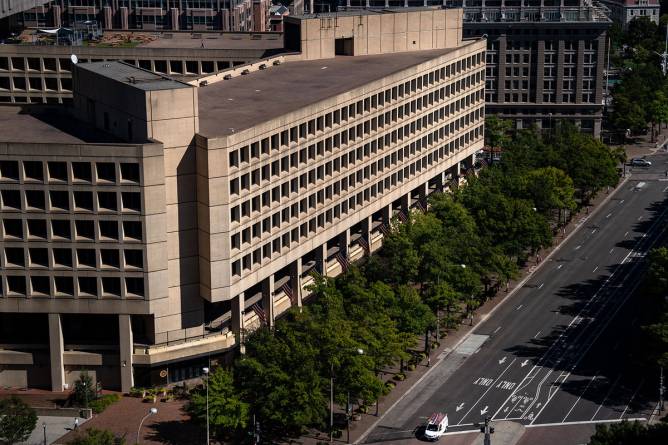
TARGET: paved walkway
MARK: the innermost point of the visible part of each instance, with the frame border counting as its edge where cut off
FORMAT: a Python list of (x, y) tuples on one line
[(56, 427), (169, 426)]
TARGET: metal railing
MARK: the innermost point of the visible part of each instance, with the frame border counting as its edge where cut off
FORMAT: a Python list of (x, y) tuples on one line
[(534, 14)]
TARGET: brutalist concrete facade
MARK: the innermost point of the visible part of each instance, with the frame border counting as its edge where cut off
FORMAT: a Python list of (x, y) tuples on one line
[(147, 230)]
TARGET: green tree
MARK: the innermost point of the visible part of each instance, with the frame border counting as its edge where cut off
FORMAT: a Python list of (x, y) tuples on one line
[(657, 112), (93, 436), (630, 433), (496, 134), (551, 189), (227, 412), (84, 390), (17, 420)]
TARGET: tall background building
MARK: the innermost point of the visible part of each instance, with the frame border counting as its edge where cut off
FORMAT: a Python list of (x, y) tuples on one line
[(148, 226), (545, 58)]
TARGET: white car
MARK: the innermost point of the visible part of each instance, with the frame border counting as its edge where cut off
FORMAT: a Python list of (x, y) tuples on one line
[(437, 425)]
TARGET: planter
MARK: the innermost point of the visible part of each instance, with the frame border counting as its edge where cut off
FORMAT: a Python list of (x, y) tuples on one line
[(357, 417)]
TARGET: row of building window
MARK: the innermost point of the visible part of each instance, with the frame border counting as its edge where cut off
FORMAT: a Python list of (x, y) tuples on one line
[(80, 230), (66, 201), (59, 172), (64, 286), (79, 259), (336, 211)]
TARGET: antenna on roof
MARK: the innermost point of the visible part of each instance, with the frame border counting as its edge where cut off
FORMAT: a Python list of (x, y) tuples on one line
[(74, 59)]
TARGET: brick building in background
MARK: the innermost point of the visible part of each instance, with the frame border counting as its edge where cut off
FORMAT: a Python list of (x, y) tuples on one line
[(146, 228)]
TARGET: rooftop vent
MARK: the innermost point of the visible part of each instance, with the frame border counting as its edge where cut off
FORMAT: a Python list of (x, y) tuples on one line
[(244, 72), (227, 76), (263, 66), (203, 83), (277, 62)]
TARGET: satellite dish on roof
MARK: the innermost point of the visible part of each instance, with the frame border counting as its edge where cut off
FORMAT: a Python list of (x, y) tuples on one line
[(74, 59)]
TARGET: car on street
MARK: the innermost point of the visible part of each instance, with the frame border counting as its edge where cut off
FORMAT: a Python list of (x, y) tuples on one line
[(640, 162), (437, 425)]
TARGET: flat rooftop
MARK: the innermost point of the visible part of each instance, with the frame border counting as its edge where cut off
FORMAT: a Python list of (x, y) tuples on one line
[(242, 102), (46, 125), (264, 41), (138, 77)]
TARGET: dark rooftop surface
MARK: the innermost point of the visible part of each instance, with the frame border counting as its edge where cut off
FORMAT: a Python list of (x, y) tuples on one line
[(242, 102), (40, 125), (126, 73)]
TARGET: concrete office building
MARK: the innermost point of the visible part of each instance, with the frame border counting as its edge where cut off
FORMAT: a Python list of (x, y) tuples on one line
[(146, 230), (42, 74), (623, 11)]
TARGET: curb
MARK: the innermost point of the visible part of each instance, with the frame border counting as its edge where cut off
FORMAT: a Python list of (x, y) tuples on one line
[(444, 355)]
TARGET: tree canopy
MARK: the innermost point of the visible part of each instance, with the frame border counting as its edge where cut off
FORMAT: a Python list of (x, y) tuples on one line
[(17, 420)]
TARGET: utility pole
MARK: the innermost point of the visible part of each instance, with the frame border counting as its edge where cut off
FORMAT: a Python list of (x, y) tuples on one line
[(664, 56), (661, 391)]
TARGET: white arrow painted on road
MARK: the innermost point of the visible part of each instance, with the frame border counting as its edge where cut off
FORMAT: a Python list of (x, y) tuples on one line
[(502, 361), (524, 363), (459, 407), (484, 411)]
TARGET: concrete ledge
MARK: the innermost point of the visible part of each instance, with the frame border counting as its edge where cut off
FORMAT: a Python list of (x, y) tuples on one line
[(15, 357)]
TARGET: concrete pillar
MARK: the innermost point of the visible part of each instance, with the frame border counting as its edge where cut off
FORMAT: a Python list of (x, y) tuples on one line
[(386, 213), (423, 190), (405, 203), (238, 307), (365, 228), (348, 4), (311, 6), (344, 242), (296, 280), (56, 349), (321, 259), (268, 292), (126, 343)]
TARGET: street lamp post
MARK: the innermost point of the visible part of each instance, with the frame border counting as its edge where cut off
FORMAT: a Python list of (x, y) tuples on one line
[(206, 372), (151, 412), (331, 398), (44, 428)]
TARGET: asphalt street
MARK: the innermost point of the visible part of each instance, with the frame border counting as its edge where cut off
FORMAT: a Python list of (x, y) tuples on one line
[(556, 351)]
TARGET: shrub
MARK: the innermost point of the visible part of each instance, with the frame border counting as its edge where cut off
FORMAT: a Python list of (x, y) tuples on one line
[(399, 377), (100, 404), (136, 392), (411, 367), (84, 390), (97, 437)]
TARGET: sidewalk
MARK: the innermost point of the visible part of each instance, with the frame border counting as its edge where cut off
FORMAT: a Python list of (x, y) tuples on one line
[(359, 429)]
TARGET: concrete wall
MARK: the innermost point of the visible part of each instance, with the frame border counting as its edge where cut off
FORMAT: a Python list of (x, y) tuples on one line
[(380, 33)]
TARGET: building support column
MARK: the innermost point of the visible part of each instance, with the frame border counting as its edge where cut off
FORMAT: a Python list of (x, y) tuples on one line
[(344, 242), (365, 229), (238, 310), (56, 350), (296, 281), (126, 343), (321, 259), (268, 292), (423, 191), (406, 203), (387, 215)]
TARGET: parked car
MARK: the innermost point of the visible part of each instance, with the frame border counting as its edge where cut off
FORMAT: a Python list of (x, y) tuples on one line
[(640, 162)]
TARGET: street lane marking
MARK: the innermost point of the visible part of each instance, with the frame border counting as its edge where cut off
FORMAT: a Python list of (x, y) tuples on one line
[(485, 393), (541, 285), (503, 360), (560, 266), (578, 246), (524, 363), (585, 422), (664, 190), (579, 398), (608, 215), (496, 330), (519, 307), (612, 250), (626, 234), (484, 410), (606, 396), (459, 407), (483, 381), (593, 231), (595, 269), (631, 399), (640, 217), (621, 202), (537, 334)]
